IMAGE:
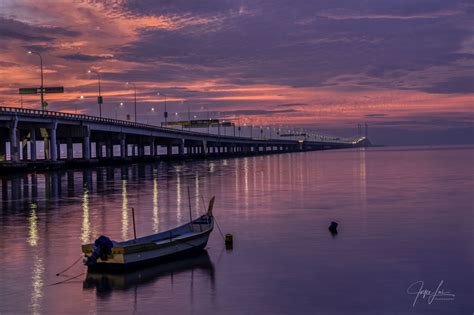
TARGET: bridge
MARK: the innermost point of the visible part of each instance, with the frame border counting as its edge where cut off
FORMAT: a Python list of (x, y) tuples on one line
[(37, 138)]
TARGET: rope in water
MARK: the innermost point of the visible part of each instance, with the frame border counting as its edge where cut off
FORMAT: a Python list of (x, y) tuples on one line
[(61, 272), (46, 285), (68, 279), (219, 228)]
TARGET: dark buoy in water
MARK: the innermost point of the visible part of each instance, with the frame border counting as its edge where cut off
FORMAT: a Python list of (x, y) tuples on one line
[(333, 228), (229, 241)]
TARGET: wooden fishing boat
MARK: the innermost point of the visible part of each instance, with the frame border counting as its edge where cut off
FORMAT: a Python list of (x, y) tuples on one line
[(189, 238)]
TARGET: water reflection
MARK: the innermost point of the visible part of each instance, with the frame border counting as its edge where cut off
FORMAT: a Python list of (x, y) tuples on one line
[(155, 201), (267, 203), (124, 210), (178, 193), (33, 226), (85, 217), (106, 283), (37, 285)]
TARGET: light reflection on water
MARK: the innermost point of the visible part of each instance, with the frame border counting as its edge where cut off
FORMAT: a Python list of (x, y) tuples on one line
[(404, 216), (125, 210)]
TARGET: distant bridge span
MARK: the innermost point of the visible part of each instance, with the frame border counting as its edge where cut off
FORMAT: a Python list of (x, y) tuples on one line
[(102, 139)]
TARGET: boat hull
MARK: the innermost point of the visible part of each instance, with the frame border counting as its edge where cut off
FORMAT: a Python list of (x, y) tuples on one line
[(163, 253)]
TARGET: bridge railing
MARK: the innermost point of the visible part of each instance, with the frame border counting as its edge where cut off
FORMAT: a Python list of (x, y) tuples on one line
[(69, 116)]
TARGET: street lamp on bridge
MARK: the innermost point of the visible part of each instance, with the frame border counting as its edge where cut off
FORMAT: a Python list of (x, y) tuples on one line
[(135, 98), (43, 107), (100, 100), (165, 114)]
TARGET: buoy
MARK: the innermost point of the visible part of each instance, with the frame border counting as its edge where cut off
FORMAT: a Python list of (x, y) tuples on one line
[(229, 241), (333, 227)]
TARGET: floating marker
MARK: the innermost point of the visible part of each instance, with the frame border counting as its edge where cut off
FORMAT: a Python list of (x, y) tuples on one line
[(333, 227), (229, 241)]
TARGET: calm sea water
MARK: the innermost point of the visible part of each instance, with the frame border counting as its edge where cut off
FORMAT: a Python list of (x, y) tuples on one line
[(404, 214)]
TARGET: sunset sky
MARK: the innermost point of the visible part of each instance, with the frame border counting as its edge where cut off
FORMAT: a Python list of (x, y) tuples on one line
[(405, 67)]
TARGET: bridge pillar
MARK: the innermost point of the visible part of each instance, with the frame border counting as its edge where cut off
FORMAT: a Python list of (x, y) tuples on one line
[(169, 149), (98, 149), (14, 145), (109, 149), (86, 144), (141, 149), (69, 151), (3, 149), (123, 146), (33, 144), (53, 146), (205, 149), (181, 147), (152, 147)]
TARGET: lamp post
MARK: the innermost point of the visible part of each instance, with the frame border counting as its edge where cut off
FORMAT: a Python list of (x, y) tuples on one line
[(135, 98), (117, 107), (43, 107), (152, 112), (99, 98), (165, 114), (81, 98)]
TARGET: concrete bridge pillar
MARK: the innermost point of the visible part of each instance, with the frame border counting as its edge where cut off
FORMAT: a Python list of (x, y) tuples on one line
[(152, 147), (109, 149), (69, 151), (98, 149), (3, 149), (205, 149), (33, 144), (169, 149), (14, 143), (86, 145), (141, 149), (53, 146), (181, 147), (123, 146)]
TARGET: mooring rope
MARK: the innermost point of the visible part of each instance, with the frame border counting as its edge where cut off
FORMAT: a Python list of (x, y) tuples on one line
[(80, 257), (66, 280)]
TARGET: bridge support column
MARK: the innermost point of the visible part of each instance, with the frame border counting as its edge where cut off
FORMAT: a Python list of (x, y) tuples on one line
[(205, 149), (98, 149), (109, 149), (53, 146), (69, 151), (123, 146), (141, 149), (181, 147), (152, 147), (14, 143), (169, 149), (86, 145), (3, 149), (33, 144)]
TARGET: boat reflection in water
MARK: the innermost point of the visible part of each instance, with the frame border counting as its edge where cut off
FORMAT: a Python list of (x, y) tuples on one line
[(106, 282)]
